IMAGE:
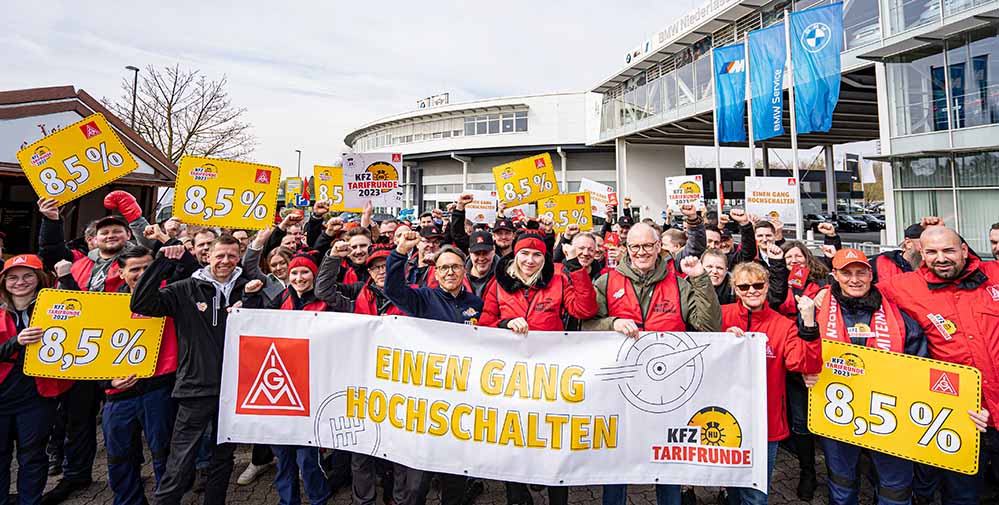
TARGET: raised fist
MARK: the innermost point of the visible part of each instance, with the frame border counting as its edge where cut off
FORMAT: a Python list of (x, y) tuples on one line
[(463, 200), (173, 252), (739, 216), (125, 203), (689, 211), (827, 229), (407, 242), (320, 208), (253, 286), (340, 249), (692, 266)]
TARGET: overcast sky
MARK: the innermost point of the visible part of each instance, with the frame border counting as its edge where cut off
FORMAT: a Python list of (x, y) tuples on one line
[(310, 72)]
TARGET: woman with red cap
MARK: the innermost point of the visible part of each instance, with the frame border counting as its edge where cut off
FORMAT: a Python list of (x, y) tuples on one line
[(529, 294), (292, 460), (27, 405)]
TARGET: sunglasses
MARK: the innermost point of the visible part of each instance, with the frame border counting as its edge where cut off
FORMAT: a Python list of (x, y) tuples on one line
[(756, 285)]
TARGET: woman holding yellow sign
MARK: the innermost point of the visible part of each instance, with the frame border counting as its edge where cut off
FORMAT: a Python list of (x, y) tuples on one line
[(27, 404)]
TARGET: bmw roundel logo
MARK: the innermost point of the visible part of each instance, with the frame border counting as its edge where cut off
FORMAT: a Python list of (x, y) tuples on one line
[(816, 37)]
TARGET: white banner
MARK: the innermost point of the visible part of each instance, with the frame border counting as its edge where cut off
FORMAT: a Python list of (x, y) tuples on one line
[(483, 208), (600, 196), (773, 197), (372, 176), (550, 408), (684, 189)]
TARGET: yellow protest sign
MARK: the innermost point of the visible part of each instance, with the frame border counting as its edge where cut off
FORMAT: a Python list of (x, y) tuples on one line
[(225, 193), (910, 407), (526, 180), (566, 209), (76, 160), (91, 336), (329, 186)]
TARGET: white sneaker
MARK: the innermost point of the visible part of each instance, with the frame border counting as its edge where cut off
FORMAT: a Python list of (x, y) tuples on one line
[(251, 473)]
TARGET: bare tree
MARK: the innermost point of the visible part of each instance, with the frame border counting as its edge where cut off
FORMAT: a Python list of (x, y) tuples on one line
[(181, 112)]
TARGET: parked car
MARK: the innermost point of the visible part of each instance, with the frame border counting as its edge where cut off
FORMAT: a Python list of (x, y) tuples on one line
[(812, 221), (847, 223), (873, 223)]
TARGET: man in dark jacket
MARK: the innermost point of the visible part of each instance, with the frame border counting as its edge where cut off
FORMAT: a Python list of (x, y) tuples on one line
[(199, 307), (450, 302), (482, 261)]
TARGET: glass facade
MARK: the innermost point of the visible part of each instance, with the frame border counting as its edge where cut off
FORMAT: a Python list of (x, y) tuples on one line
[(420, 131), (961, 189), (919, 85)]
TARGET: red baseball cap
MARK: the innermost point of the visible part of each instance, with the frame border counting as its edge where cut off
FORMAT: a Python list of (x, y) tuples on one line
[(24, 260), (846, 257)]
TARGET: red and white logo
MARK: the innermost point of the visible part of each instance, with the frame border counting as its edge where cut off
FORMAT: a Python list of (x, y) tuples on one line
[(580, 200), (263, 176), (993, 292), (791, 181), (268, 384), (90, 130), (945, 382), (396, 157), (539, 163)]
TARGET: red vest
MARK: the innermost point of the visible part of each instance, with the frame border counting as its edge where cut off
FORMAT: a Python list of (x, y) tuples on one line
[(48, 388), (288, 304), (366, 304), (664, 310), (886, 330), (83, 267), (542, 308)]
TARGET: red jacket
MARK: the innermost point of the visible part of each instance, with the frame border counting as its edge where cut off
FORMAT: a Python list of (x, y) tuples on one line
[(790, 305), (366, 304), (960, 318), (83, 267), (785, 352), (663, 314), (48, 388), (542, 306)]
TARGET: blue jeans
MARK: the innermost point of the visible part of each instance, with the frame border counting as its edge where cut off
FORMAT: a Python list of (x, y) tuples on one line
[(894, 475), (748, 495), (30, 428), (154, 411), (617, 494), (292, 459)]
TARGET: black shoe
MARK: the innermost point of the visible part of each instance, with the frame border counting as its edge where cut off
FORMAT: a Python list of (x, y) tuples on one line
[(55, 468), (473, 490), (63, 490), (806, 487), (200, 478), (687, 497)]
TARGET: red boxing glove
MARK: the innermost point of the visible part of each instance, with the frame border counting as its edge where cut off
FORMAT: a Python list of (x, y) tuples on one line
[(125, 203)]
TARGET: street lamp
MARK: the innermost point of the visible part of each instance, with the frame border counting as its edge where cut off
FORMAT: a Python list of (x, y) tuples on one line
[(299, 173), (135, 85)]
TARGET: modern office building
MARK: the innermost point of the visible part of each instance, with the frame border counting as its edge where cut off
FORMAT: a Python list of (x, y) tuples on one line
[(449, 148)]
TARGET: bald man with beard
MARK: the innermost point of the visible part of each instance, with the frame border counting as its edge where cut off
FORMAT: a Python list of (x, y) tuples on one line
[(954, 296)]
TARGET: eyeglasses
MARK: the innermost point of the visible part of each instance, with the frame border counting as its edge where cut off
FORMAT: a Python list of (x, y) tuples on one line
[(650, 247), (451, 268), (756, 285), (377, 268)]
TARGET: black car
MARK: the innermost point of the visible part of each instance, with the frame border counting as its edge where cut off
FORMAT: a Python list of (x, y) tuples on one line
[(812, 221), (849, 224), (873, 223)]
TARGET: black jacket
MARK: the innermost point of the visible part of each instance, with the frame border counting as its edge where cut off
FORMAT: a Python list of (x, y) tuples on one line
[(199, 311)]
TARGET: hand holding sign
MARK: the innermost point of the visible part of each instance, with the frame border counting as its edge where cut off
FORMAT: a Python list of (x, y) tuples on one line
[(76, 160)]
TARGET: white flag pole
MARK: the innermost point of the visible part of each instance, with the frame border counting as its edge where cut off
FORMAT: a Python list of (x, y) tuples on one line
[(749, 110), (714, 121), (794, 126)]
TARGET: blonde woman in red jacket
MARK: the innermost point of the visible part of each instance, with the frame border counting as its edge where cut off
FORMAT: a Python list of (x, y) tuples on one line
[(786, 351)]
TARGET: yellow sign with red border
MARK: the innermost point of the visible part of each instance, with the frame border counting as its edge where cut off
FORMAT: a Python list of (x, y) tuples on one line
[(329, 186), (225, 193), (91, 335), (526, 180), (910, 407), (566, 209), (76, 160)]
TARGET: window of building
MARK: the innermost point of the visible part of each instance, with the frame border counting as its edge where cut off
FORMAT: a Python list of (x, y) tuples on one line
[(494, 123), (669, 91), (469, 126), (507, 123), (905, 15), (520, 118), (481, 125), (685, 85), (704, 78), (918, 82)]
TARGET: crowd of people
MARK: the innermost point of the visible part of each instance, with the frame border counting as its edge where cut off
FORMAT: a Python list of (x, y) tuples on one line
[(935, 296)]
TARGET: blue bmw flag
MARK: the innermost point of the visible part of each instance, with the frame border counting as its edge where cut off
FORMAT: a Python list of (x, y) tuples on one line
[(767, 56), (730, 86), (816, 44)]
